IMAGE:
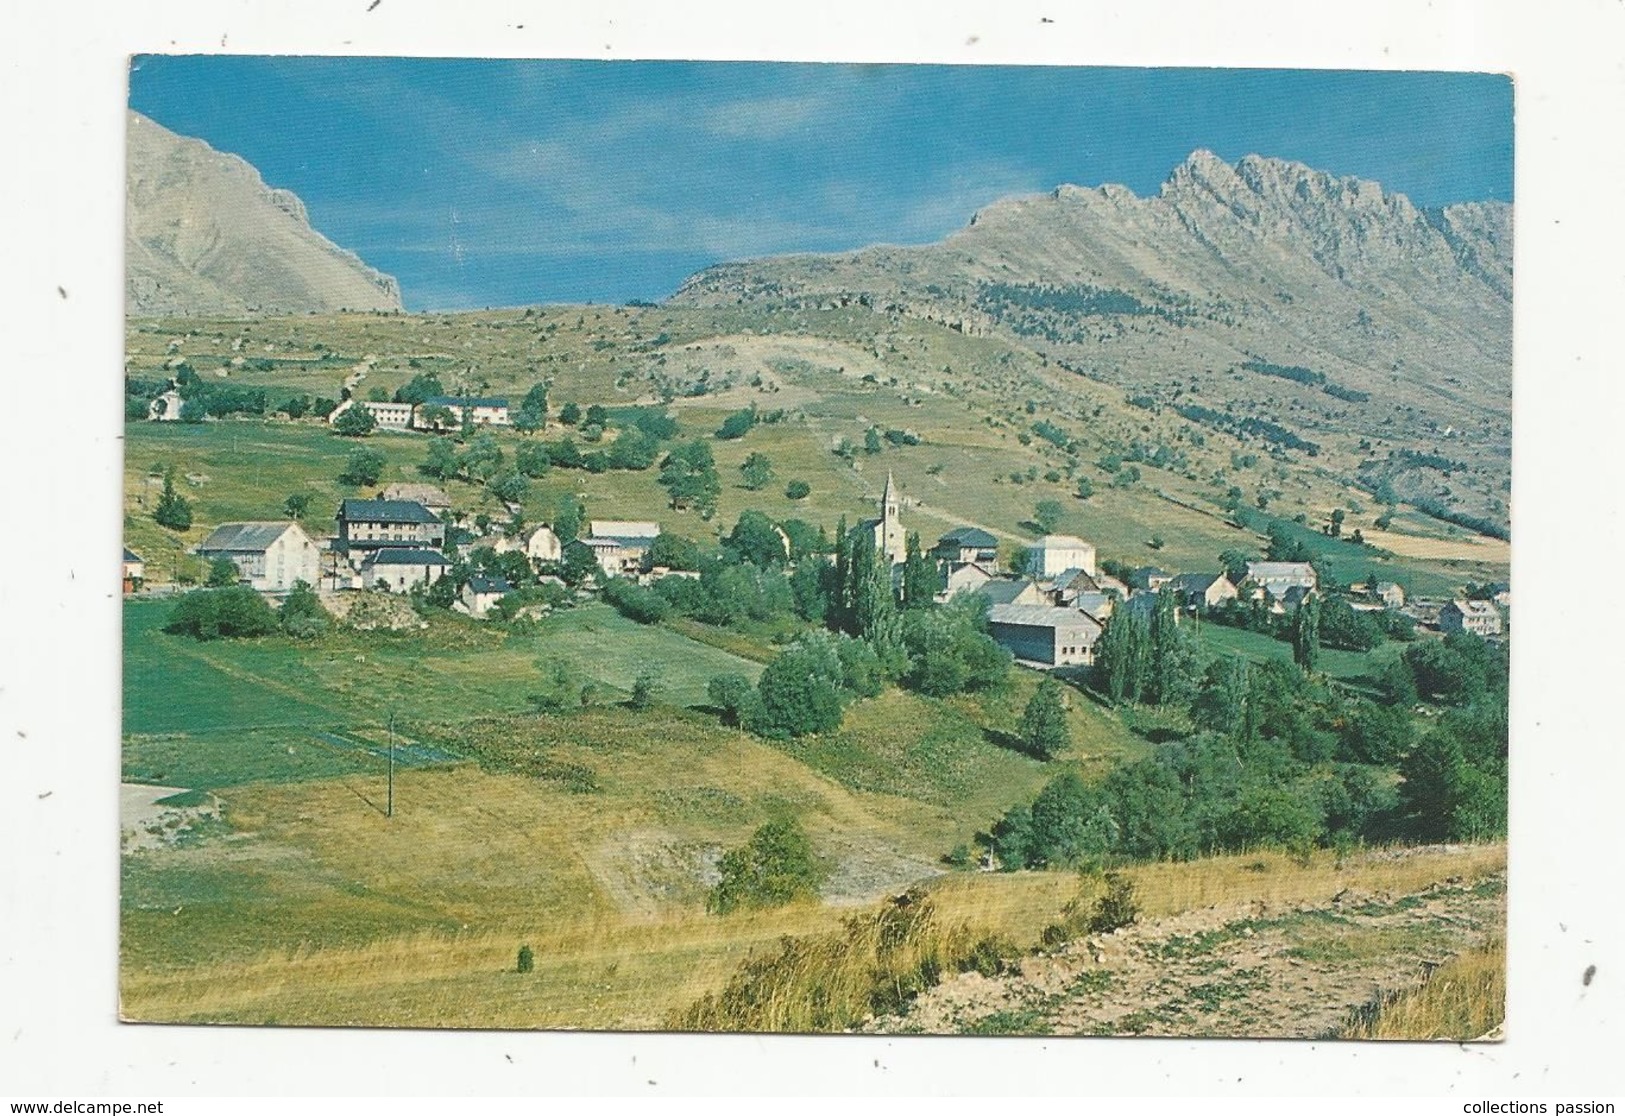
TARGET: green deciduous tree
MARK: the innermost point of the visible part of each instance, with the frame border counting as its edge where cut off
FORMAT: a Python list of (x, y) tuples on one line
[(297, 504), (222, 572), (364, 467), (173, 510), (1047, 515), (1044, 731), (441, 461), (801, 691), (797, 490), (777, 866), (355, 422), (689, 476), (757, 471)]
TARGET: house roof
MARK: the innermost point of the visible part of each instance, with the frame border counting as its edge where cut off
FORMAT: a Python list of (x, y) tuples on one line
[(1092, 603), (386, 511), (965, 537), (1074, 578), (1002, 591), (1475, 608), (1256, 570), (406, 556), (1061, 542), (1146, 574), (623, 528), (465, 401), (244, 537), (481, 584), (1042, 616), (1194, 582), (131, 556)]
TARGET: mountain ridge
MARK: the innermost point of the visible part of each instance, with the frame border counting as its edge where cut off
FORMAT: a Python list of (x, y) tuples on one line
[(204, 234)]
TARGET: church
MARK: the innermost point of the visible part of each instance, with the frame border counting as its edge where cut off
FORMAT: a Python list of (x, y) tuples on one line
[(887, 531)]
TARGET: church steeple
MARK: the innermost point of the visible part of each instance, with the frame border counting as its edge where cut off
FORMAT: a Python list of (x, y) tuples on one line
[(893, 540)]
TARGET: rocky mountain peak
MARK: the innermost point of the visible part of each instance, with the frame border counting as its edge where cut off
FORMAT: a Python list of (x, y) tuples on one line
[(204, 235)]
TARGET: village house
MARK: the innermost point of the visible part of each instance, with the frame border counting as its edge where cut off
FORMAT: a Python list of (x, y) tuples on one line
[(964, 577), (1201, 592), (270, 557), (1044, 634), (1391, 595), (366, 525), (388, 416), (431, 497), (543, 545), (1065, 586), (399, 568), (619, 545), (1149, 579), (890, 539), (1481, 618), (481, 592), (1055, 554), (1099, 605), (480, 411), (965, 545), (166, 407), (135, 571), (1275, 578)]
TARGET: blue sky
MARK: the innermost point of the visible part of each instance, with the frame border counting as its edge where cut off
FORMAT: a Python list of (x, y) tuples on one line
[(500, 183)]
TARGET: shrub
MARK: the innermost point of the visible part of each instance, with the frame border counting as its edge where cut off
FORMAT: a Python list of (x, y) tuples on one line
[(645, 688), (797, 490), (1117, 908), (221, 614), (775, 867), (527, 960)]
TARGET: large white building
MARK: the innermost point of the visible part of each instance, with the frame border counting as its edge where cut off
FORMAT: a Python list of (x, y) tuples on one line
[(1041, 634), (1055, 554), (270, 557), (388, 416)]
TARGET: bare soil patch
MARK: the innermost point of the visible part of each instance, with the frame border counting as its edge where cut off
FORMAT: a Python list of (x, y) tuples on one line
[(1246, 970)]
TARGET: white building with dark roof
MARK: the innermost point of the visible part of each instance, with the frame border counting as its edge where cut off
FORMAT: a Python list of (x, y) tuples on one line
[(399, 568), (966, 545), (619, 545), (366, 525), (479, 593), (270, 557), (489, 411), (1481, 618)]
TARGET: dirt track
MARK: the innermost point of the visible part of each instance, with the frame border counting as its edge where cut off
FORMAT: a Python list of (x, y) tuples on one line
[(1249, 971)]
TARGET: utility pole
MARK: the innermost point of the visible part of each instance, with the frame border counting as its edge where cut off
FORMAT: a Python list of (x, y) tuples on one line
[(389, 802)]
